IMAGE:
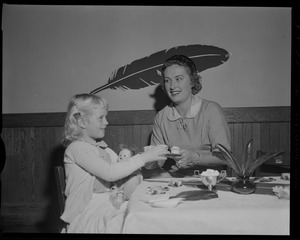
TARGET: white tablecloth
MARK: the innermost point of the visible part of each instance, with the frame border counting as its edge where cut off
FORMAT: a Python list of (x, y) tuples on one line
[(230, 213)]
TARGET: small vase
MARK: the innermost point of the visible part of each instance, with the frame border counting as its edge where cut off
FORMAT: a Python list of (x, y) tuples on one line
[(243, 185)]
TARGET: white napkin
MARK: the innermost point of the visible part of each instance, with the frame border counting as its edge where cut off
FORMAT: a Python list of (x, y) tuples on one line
[(163, 201), (169, 203)]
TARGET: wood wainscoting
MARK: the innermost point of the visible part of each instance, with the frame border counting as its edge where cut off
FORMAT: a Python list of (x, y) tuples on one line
[(32, 142)]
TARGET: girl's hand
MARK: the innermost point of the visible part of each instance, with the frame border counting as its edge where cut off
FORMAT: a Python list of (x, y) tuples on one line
[(187, 159), (155, 153)]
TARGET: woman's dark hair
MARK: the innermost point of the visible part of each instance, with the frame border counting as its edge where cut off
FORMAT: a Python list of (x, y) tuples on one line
[(188, 63)]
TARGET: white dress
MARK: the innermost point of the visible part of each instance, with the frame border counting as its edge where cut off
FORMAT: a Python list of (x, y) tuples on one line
[(99, 217)]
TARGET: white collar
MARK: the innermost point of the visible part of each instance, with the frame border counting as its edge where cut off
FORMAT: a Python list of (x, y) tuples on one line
[(101, 143), (195, 107)]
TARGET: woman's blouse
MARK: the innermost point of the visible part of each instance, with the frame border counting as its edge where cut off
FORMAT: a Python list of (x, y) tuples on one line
[(86, 161), (205, 124)]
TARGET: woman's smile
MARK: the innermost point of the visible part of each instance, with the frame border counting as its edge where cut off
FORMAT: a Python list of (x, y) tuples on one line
[(175, 92)]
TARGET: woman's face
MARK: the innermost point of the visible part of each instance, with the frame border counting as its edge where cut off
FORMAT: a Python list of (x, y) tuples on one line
[(178, 84), (96, 123)]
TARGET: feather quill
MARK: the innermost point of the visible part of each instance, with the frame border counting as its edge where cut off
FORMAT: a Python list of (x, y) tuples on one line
[(145, 72)]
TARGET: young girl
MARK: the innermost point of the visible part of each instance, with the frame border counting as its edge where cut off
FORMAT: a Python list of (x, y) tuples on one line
[(91, 168)]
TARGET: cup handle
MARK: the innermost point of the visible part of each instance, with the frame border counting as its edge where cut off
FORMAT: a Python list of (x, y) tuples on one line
[(224, 173)]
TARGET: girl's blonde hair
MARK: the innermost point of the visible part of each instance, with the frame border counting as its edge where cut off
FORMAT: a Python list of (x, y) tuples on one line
[(80, 105)]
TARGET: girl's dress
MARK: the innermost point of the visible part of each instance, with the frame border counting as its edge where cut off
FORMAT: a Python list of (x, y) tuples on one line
[(91, 168), (99, 217)]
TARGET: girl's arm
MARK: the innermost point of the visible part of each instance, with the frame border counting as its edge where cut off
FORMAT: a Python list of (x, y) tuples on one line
[(86, 156)]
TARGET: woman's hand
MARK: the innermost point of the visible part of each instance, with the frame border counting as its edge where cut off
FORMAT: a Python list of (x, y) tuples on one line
[(155, 153), (187, 159)]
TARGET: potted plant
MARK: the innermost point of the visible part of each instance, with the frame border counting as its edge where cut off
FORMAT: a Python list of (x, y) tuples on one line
[(245, 168)]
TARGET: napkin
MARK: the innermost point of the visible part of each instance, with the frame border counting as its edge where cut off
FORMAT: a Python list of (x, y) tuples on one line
[(169, 203)]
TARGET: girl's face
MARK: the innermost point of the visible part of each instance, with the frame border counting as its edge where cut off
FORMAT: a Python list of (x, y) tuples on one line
[(178, 84), (96, 123)]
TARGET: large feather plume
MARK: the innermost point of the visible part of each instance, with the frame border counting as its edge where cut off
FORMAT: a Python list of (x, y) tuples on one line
[(145, 72)]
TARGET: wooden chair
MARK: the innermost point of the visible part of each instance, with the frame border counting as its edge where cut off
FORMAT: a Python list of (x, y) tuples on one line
[(61, 186)]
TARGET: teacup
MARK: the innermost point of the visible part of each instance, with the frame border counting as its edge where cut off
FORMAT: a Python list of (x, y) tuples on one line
[(210, 178)]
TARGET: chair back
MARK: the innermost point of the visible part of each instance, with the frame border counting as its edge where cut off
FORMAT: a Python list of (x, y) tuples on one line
[(61, 186)]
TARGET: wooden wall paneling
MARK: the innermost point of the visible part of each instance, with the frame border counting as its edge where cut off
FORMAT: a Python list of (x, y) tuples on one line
[(137, 140), (144, 136), (246, 133), (150, 128), (24, 166), (3, 173), (7, 175), (114, 137), (128, 140), (256, 138), (257, 114), (237, 148), (48, 164), (231, 129), (30, 158), (120, 138), (265, 141), (246, 136), (256, 143), (265, 137), (111, 136), (274, 136), (289, 143), (16, 180), (111, 133), (38, 165), (274, 139), (107, 133), (58, 134), (284, 141), (45, 158), (142, 117), (31, 148)]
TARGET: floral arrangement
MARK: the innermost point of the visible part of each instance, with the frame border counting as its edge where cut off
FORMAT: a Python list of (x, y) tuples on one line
[(248, 165)]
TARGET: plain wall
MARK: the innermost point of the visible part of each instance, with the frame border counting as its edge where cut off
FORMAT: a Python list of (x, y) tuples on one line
[(53, 52)]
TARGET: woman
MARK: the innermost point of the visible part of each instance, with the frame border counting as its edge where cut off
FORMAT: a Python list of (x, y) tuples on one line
[(189, 122)]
